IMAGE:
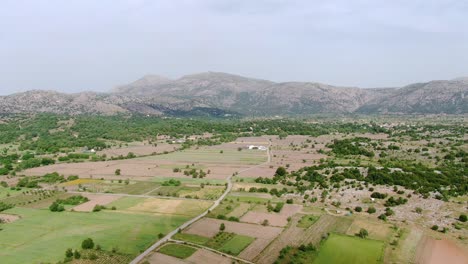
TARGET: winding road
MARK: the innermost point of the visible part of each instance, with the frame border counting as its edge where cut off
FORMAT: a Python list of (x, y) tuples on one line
[(168, 237)]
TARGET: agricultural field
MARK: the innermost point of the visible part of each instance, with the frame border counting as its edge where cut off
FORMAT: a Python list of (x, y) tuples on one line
[(361, 251), (299, 194), (49, 234)]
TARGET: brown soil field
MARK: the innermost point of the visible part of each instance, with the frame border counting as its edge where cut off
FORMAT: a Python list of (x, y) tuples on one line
[(159, 258), (8, 218), (139, 149), (207, 257), (274, 219), (209, 227), (432, 251), (260, 171), (137, 169), (95, 199)]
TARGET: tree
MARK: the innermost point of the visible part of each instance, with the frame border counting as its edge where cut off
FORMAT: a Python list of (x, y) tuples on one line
[(435, 227), (383, 217), (69, 253), (56, 207), (281, 171), (463, 218), (77, 254), (362, 233), (358, 209), (222, 227), (371, 210), (117, 172), (87, 244)]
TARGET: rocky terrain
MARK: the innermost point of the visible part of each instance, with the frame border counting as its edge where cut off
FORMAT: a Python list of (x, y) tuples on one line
[(219, 94)]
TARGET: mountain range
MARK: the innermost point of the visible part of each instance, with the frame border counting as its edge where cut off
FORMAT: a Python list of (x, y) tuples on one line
[(221, 94)]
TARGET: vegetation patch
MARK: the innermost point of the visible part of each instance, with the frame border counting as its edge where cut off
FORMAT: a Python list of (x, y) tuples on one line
[(349, 250), (178, 251), (307, 220), (196, 239), (235, 245)]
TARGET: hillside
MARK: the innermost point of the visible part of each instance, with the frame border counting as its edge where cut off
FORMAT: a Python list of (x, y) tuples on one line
[(214, 93)]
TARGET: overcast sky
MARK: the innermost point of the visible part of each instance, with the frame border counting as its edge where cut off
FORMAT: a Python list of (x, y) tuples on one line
[(98, 44)]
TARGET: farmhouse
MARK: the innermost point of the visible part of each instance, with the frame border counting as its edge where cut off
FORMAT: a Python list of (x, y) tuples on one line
[(257, 147)]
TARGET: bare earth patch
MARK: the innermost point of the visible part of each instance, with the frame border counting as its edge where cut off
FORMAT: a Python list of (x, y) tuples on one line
[(207, 257), (159, 258), (440, 251), (95, 199), (274, 219), (8, 218)]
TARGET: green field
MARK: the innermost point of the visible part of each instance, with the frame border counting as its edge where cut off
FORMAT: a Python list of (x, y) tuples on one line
[(235, 245), (229, 242), (140, 187), (196, 239), (178, 251), (307, 220), (43, 236), (248, 199), (7, 192), (223, 241), (229, 156), (343, 249)]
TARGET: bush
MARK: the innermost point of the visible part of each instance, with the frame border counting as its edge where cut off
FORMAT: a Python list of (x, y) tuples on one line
[(87, 244), (77, 254), (69, 253), (435, 227), (463, 218), (363, 233), (56, 207), (383, 217), (358, 209), (371, 210)]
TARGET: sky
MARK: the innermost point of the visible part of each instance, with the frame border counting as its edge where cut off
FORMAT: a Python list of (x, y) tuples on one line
[(95, 45)]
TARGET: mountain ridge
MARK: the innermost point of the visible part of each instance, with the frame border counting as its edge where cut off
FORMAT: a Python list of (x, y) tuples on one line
[(223, 93)]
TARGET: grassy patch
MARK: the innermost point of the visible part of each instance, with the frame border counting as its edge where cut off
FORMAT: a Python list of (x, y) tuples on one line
[(307, 220), (219, 240), (43, 236), (201, 240), (137, 188), (178, 251), (349, 250), (248, 199), (223, 209), (235, 245), (229, 242)]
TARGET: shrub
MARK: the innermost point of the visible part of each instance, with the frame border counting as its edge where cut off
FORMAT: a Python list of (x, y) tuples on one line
[(371, 210), (435, 227), (87, 244), (358, 209), (363, 233), (463, 218)]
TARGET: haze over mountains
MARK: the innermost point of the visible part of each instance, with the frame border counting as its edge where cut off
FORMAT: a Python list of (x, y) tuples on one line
[(219, 94)]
